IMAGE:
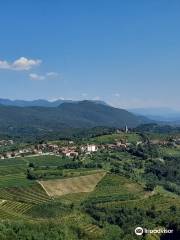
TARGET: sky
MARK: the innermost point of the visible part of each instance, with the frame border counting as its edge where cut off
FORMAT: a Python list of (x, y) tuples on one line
[(126, 53)]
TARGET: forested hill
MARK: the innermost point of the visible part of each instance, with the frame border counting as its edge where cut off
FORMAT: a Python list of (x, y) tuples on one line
[(85, 114)]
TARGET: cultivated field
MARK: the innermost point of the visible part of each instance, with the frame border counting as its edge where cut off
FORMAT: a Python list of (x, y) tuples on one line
[(72, 185)]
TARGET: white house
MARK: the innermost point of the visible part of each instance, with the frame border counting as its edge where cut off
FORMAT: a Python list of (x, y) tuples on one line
[(91, 148)]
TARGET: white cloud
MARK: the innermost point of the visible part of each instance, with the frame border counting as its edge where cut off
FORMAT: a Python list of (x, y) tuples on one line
[(34, 76), (20, 64), (48, 75), (52, 74), (4, 65)]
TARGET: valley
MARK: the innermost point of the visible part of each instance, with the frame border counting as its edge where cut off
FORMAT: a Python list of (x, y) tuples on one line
[(108, 184)]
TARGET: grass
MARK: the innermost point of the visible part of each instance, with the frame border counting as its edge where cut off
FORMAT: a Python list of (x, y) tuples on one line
[(61, 187), (48, 160), (65, 173), (112, 138), (12, 162), (50, 209), (79, 172), (14, 180), (75, 198), (11, 169), (170, 151)]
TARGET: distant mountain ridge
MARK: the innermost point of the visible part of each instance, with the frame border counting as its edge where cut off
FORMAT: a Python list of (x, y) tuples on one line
[(158, 114), (83, 114), (40, 102)]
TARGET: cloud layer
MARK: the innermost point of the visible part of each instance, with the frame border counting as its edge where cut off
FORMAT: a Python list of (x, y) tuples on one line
[(34, 76), (48, 75), (21, 64)]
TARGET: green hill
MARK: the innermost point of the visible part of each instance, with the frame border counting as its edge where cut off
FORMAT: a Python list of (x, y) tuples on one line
[(86, 114)]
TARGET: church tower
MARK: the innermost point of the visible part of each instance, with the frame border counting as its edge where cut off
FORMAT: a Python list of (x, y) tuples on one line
[(126, 129)]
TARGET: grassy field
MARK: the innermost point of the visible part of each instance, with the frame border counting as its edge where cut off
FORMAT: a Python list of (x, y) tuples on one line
[(85, 183), (112, 138), (14, 180), (47, 160), (12, 162), (54, 173), (170, 151), (11, 169)]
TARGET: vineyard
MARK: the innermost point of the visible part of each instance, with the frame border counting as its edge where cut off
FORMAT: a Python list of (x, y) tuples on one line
[(102, 195), (12, 180), (115, 188), (16, 201)]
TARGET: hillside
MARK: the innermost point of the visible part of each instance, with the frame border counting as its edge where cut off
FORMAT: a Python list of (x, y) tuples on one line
[(85, 114), (102, 195)]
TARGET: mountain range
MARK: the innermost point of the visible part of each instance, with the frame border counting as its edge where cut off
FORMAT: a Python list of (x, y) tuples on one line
[(162, 114), (16, 120), (39, 102)]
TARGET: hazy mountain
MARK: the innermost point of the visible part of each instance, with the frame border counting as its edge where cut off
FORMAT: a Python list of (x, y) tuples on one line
[(84, 114), (158, 114), (39, 102)]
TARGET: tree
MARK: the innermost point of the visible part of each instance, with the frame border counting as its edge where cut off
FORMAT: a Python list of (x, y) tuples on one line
[(150, 186)]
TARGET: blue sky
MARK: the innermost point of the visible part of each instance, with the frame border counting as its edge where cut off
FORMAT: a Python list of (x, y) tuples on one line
[(124, 52)]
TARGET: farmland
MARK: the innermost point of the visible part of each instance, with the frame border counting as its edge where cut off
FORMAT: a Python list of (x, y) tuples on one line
[(107, 193), (72, 185)]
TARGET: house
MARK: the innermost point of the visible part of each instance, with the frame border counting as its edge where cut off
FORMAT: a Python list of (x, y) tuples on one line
[(91, 148), (37, 151), (6, 142), (8, 155), (69, 153)]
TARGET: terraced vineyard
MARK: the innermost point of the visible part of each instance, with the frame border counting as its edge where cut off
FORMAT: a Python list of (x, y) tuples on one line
[(33, 194), (92, 230), (15, 207), (103, 195), (17, 201), (115, 188)]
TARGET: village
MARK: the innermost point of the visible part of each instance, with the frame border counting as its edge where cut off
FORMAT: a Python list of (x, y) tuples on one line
[(74, 150), (53, 149)]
